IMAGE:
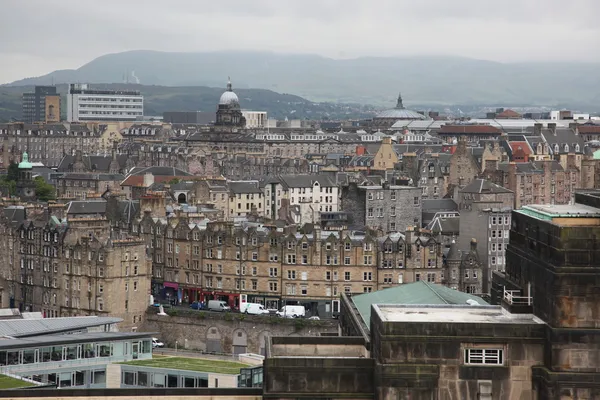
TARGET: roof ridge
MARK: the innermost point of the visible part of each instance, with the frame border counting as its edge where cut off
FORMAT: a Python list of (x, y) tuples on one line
[(432, 288)]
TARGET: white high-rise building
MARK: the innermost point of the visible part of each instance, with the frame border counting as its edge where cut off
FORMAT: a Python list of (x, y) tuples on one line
[(255, 119), (85, 104)]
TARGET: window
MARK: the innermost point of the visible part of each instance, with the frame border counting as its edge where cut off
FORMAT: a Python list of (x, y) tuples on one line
[(368, 260), (273, 272), (417, 277), (393, 195), (367, 276), (291, 259), (484, 356), (346, 260), (416, 201), (347, 246), (393, 211), (273, 286), (347, 276), (291, 274)]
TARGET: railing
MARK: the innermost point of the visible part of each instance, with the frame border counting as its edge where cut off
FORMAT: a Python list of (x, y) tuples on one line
[(513, 297)]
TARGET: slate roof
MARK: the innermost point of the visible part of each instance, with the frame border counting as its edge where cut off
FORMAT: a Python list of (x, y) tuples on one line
[(306, 181), (44, 326), (561, 137), (95, 163), (435, 205), (445, 225), (484, 186), (87, 207), (411, 293), (244, 187), (158, 171), (449, 129), (14, 213)]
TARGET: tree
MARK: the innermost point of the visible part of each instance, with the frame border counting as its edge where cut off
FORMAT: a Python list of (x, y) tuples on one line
[(44, 191), (13, 172)]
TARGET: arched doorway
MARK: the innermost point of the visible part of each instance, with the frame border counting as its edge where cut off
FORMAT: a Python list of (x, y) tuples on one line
[(240, 342), (213, 340), (181, 198)]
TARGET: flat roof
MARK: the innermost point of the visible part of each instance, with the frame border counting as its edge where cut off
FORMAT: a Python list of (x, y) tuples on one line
[(43, 326), (548, 211), (49, 340), (466, 314), (191, 364)]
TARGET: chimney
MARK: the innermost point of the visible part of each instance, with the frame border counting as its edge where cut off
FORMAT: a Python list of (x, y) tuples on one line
[(575, 127), (408, 234), (552, 127), (473, 245), (537, 128), (148, 179)]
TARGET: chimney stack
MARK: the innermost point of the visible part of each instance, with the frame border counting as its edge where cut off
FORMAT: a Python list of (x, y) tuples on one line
[(552, 127), (537, 128), (474, 245)]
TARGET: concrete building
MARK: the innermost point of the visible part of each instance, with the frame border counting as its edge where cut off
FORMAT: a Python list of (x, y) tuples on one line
[(388, 208), (485, 214), (41, 105), (255, 119), (86, 104)]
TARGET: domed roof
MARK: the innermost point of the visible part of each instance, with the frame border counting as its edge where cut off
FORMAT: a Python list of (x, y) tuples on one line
[(25, 164), (399, 112), (229, 97)]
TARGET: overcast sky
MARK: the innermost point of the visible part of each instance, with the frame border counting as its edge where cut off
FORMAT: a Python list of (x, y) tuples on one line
[(39, 36)]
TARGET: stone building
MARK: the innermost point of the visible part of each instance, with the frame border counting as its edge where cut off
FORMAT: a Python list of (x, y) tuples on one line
[(464, 269), (552, 271), (45, 143), (72, 267), (229, 113), (407, 257), (485, 210), (388, 208), (387, 118), (463, 166)]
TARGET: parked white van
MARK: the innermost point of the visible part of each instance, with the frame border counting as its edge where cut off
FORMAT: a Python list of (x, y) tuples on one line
[(218, 305), (253, 308), (292, 312)]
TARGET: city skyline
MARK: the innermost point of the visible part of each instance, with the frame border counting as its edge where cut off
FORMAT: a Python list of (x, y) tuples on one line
[(356, 29)]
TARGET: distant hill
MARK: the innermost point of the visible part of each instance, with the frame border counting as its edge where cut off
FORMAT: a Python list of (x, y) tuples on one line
[(434, 81), (158, 99)]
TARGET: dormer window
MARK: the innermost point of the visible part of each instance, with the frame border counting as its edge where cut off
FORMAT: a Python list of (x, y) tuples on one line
[(577, 148), (556, 149), (566, 148)]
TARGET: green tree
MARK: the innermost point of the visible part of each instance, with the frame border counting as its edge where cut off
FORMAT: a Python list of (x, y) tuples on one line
[(13, 172), (44, 191)]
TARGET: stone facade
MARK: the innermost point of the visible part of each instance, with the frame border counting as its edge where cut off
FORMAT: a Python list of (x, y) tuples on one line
[(386, 208), (74, 268), (463, 166)]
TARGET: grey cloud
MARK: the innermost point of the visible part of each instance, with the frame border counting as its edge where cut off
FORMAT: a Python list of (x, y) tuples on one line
[(68, 33)]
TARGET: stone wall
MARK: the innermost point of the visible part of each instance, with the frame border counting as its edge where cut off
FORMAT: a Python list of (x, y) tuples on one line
[(228, 333)]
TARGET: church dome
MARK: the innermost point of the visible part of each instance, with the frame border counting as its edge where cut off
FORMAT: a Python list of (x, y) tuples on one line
[(401, 113), (25, 164), (229, 97)]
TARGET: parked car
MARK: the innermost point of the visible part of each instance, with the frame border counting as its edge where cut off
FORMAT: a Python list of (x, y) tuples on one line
[(157, 343), (292, 312), (197, 305), (253, 308), (218, 305)]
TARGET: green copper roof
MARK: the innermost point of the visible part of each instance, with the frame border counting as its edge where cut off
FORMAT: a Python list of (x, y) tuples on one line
[(25, 164), (411, 293)]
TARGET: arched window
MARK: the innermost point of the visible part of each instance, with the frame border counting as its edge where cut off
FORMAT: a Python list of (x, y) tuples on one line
[(556, 149), (566, 148), (577, 148)]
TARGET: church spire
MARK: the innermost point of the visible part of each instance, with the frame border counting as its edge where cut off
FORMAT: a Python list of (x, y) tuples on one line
[(399, 104), (229, 84)]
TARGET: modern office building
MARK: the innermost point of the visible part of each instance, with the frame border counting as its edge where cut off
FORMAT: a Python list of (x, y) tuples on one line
[(86, 104), (255, 119), (41, 105)]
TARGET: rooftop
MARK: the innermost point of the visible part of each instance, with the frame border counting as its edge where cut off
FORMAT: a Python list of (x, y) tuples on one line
[(550, 211), (466, 314), (411, 294), (6, 382), (44, 326), (191, 364)]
